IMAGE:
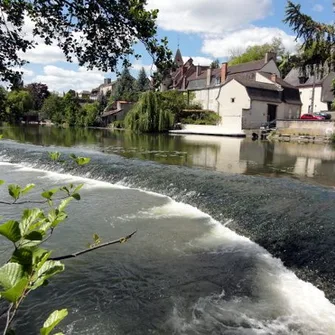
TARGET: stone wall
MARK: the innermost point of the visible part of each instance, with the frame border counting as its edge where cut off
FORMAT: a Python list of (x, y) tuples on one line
[(306, 127)]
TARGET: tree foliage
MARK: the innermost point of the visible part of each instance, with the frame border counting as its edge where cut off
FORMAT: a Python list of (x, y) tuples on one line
[(18, 103), (125, 87), (215, 64), (99, 34), (3, 103), (39, 92), (318, 39), (149, 115), (53, 108), (258, 52), (142, 83)]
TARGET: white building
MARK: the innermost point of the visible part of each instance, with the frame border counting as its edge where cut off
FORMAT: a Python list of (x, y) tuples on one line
[(323, 95), (245, 95)]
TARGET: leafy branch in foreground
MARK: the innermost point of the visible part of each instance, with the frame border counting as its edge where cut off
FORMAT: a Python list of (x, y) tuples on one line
[(30, 264), (99, 34)]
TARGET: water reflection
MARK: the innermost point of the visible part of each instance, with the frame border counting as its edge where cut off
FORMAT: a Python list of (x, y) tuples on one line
[(230, 155)]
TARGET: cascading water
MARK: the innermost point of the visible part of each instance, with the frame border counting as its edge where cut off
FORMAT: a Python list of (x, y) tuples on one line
[(185, 272)]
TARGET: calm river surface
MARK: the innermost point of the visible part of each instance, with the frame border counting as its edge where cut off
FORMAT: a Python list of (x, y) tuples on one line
[(233, 237)]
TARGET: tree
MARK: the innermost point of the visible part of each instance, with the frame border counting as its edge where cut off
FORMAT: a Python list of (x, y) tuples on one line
[(98, 34), (125, 87), (18, 103), (3, 103), (215, 64), (174, 101), (148, 115), (39, 92), (72, 108), (257, 52), (53, 109), (142, 83), (89, 114), (318, 39), (102, 102)]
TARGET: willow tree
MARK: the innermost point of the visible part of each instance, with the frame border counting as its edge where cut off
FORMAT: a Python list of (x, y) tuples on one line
[(318, 39), (98, 34), (149, 116)]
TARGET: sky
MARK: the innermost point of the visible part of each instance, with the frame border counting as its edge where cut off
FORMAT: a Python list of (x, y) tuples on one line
[(203, 29)]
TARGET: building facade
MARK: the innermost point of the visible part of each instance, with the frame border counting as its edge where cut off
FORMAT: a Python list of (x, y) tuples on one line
[(316, 92), (245, 95)]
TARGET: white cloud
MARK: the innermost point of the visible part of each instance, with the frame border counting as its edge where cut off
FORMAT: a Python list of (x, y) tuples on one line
[(44, 54), (241, 39), (214, 17), (59, 79), (204, 61), (26, 72), (149, 69), (318, 8)]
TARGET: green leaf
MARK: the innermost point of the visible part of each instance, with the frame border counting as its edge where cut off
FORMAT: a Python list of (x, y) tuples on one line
[(1, 136), (31, 255), (54, 155), (76, 196), (40, 256), (49, 193), (11, 230), (34, 236), (10, 275), (2, 182), (78, 188), (29, 218), (14, 191), (55, 217), (47, 270), (53, 320), (22, 256), (82, 160), (96, 239), (27, 189), (15, 293), (64, 203)]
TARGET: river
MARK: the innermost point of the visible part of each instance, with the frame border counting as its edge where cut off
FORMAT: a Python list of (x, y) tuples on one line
[(233, 237)]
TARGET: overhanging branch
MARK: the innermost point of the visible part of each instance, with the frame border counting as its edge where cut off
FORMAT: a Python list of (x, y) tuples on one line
[(103, 245)]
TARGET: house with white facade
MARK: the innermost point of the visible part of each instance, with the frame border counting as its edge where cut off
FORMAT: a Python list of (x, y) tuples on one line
[(106, 88), (245, 95), (317, 89)]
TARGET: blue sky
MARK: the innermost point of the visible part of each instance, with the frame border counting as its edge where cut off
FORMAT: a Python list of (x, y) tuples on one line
[(205, 30)]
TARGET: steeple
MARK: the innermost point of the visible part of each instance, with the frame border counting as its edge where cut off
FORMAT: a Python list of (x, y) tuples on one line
[(178, 59)]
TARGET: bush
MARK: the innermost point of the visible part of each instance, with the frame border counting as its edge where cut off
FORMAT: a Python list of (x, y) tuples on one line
[(200, 118), (117, 124)]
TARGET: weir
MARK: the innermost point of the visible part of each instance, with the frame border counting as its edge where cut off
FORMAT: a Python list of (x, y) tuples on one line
[(213, 250)]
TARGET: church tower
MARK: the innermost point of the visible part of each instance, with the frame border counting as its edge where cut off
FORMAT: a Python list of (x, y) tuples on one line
[(178, 59)]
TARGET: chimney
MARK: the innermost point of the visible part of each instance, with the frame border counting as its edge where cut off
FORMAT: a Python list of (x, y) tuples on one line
[(269, 56), (197, 71), (273, 78), (107, 81), (224, 72), (209, 77)]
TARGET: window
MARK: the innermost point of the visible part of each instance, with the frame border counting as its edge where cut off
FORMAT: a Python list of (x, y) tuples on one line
[(232, 100)]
